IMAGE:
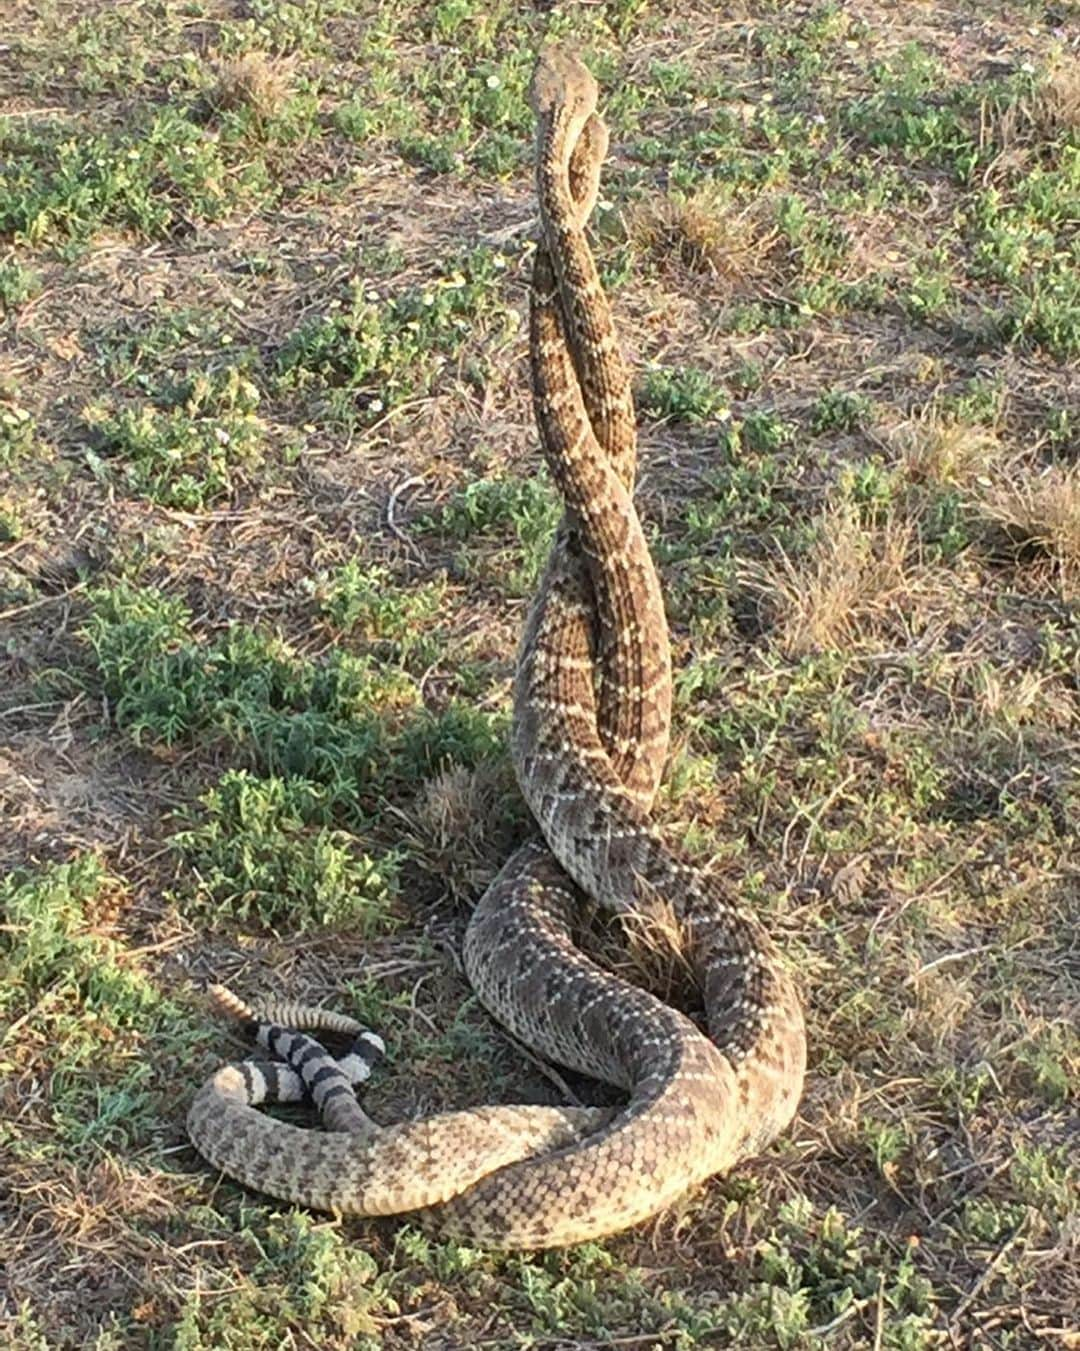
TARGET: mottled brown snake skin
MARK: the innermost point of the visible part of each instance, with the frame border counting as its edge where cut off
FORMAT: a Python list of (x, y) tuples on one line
[(592, 698)]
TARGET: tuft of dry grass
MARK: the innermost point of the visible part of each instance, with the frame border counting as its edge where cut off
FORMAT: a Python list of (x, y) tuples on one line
[(652, 949), (705, 233), (253, 81), (1050, 115), (1040, 512), (939, 450), (1056, 109), (852, 577), (456, 828)]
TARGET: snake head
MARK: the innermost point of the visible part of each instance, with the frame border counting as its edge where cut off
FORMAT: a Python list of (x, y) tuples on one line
[(562, 84)]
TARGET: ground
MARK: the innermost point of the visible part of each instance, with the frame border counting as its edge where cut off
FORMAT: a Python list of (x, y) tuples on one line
[(271, 510)]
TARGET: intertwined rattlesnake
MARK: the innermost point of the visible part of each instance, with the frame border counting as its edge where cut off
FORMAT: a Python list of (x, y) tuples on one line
[(591, 708)]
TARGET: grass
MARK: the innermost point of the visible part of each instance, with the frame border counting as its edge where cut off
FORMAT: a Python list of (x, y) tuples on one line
[(271, 513)]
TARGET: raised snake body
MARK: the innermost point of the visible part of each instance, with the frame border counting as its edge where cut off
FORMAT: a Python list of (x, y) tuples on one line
[(591, 715)]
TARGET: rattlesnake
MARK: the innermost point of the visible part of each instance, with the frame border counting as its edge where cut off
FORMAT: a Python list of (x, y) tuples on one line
[(591, 707)]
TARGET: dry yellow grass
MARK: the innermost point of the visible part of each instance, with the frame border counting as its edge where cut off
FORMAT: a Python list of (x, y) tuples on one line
[(705, 233), (938, 450), (453, 828), (845, 586), (1056, 108), (1039, 510), (254, 80)]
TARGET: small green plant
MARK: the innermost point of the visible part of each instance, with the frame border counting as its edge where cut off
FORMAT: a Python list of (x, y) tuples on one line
[(71, 985), (818, 243), (44, 940), (816, 1270), (739, 497), (1062, 429), (839, 410), (186, 453), (371, 355), (765, 431), (256, 857), (932, 288), (18, 284), (748, 376), (869, 484), (886, 1142), (17, 431), (320, 722), (63, 188), (979, 402), (527, 507), (686, 395), (367, 599), (299, 1271), (350, 724), (1047, 311), (11, 522), (909, 114), (157, 350)]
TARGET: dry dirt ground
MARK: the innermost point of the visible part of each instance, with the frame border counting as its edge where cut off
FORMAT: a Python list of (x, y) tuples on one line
[(270, 511)]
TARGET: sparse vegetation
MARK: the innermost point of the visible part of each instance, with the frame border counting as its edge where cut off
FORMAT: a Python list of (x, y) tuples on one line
[(270, 516), (687, 395), (16, 431), (255, 857), (186, 451)]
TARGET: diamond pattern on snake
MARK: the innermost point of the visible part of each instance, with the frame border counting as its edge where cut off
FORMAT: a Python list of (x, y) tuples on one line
[(592, 705)]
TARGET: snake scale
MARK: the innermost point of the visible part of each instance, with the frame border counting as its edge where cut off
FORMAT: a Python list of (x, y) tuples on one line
[(592, 699)]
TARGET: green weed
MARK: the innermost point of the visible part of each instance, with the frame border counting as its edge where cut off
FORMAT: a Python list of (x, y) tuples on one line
[(17, 431), (187, 452), (18, 284), (256, 857), (365, 599), (528, 508), (909, 114), (156, 350), (341, 724), (736, 498), (765, 432), (57, 189), (687, 395), (373, 355), (291, 716), (300, 1273), (839, 410), (72, 987)]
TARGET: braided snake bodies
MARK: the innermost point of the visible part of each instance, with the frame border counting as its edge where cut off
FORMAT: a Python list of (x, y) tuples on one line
[(592, 699)]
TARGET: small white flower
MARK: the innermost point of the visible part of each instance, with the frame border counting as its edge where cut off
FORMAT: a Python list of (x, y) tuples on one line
[(376, 406), (493, 82)]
